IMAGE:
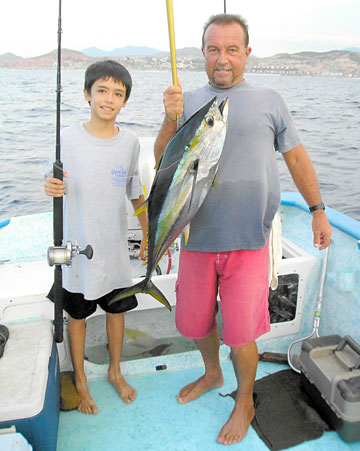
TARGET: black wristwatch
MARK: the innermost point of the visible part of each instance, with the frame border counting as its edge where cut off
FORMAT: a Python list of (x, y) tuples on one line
[(319, 206)]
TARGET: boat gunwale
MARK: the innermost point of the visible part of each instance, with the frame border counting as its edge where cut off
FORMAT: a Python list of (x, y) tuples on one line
[(343, 222)]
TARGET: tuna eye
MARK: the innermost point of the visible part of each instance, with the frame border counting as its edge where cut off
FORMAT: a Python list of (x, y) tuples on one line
[(210, 121)]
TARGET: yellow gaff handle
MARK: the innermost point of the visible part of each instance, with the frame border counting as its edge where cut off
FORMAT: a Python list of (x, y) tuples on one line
[(170, 18)]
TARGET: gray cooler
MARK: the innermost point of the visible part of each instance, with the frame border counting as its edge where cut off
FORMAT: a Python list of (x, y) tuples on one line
[(330, 374)]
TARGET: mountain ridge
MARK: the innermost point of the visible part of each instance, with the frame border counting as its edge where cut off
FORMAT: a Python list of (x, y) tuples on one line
[(340, 63)]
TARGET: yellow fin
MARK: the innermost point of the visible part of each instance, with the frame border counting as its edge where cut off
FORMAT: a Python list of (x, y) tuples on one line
[(144, 286), (134, 334), (142, 208), (187, 233), (214, 182)]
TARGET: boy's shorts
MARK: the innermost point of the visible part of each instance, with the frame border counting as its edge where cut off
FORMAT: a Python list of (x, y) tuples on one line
[(241, 277), (79, 308)]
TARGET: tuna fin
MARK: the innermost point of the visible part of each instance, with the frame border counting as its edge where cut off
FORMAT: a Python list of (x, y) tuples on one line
[(142, 208), (158, 295), (222, 105), (214, 182), (157, 165), (193, 170), (145, 286), (186, 233)]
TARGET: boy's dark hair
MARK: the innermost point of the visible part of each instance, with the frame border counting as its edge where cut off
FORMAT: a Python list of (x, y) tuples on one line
[(225, 19), (108, 69)]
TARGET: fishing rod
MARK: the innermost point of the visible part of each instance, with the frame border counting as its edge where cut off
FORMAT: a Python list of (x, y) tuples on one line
[(59, 254), (170, 18), (171, 29)]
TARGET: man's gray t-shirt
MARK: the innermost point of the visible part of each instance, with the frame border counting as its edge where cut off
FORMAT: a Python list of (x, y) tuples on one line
[(102, 173), (238, 211)]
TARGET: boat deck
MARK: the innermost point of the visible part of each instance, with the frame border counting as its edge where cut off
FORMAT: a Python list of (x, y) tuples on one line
[(155, 421)]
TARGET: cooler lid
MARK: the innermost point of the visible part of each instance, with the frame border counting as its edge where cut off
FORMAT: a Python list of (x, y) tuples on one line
[(320, 342), (24, 369)]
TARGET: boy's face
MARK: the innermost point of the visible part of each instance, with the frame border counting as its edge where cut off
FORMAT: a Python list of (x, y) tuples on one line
[(106, 98)]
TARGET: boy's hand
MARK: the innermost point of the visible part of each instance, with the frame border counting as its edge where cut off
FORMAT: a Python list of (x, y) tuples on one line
[(55, 187), (143, 251)]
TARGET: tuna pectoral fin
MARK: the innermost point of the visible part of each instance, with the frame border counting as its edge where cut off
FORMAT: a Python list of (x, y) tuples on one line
[(193, 171), (145, 286), (186, 233)]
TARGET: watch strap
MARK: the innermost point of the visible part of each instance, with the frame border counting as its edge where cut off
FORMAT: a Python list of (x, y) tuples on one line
[(319, 206)]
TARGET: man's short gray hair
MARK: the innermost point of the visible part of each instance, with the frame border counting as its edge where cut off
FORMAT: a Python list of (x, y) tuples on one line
[(224, 19)]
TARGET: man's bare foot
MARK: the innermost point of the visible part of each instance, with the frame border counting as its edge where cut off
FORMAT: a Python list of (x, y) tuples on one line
[(238, 424), (87, 404), (194, 390), (126, 392)]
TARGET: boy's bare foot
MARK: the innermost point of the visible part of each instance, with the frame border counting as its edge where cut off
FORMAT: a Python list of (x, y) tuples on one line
[(240, 419), (194, 390), (126, 392), (87, 404)]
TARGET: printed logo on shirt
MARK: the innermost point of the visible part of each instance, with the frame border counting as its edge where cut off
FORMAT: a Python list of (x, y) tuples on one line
[(118, 176)]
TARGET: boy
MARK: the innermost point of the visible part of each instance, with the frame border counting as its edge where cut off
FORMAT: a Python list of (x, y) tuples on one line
[(101, 169)]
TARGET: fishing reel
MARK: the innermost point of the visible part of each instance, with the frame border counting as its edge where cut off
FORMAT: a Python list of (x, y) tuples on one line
[(63, 255)]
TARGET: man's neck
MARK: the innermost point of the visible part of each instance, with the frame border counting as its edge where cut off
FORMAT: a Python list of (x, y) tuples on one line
[(224, 87)]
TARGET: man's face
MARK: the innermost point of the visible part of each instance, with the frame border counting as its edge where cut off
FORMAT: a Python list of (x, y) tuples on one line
[(225, 54)]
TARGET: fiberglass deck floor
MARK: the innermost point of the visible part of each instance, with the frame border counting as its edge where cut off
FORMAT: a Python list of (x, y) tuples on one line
[(155, 421)]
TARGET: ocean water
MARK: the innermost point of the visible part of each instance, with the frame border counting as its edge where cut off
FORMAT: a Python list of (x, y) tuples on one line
[(326, 112)]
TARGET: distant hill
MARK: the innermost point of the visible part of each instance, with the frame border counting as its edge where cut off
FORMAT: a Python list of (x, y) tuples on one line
[(9, 57), (353, 49), (124, 51), (335, 63), (338, 63), (70, 59), (187, 52)]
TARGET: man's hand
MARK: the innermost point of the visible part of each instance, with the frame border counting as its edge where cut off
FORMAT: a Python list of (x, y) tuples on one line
[(321, 229), (173, 102)]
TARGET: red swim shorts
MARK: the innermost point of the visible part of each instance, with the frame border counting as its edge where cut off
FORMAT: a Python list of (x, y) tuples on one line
[(242, 281)]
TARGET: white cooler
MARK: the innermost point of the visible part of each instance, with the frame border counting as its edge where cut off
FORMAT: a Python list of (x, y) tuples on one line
[(30, 383)]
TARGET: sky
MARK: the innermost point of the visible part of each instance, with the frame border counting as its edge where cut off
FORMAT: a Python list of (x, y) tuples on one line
[(29, 27)]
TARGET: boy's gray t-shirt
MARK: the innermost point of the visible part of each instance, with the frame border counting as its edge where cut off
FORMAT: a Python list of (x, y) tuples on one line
[(238, 211), (102, 173)]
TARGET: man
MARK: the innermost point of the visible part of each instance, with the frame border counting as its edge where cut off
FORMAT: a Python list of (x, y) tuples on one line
[(227, 249)]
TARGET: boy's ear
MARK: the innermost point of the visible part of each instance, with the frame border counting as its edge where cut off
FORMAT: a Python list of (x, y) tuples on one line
[(87, 95)]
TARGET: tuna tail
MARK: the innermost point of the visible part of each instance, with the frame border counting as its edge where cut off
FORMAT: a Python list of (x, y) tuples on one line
[(145, 286)]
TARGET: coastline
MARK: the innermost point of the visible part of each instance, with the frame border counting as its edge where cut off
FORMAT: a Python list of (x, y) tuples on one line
[(335, 63)]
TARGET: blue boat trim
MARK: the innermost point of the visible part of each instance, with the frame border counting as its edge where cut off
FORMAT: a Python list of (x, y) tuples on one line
[(342, 222), (4, 222)]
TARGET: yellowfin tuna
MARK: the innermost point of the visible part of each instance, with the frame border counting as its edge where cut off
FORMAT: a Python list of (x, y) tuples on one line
[(184, 176)]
